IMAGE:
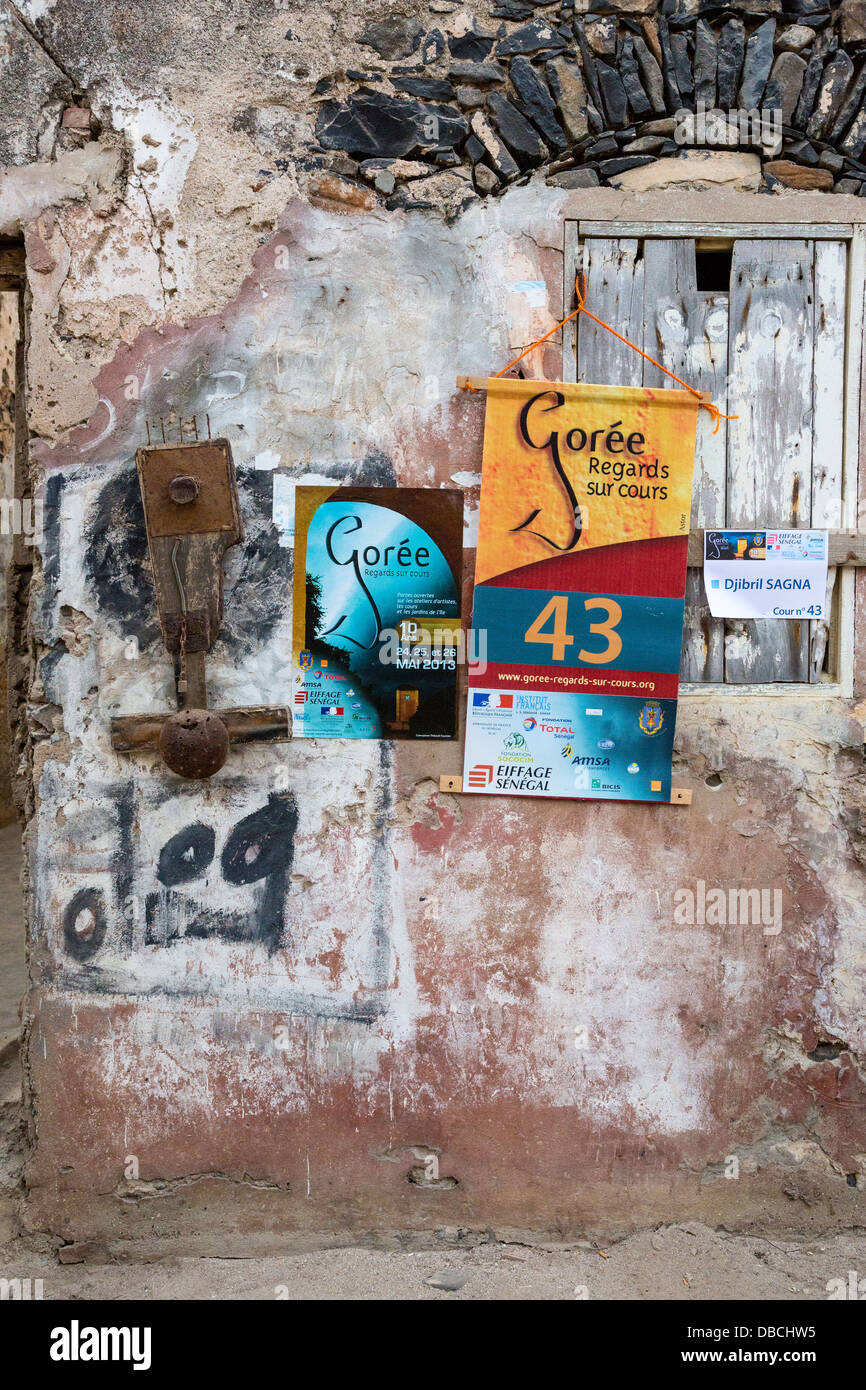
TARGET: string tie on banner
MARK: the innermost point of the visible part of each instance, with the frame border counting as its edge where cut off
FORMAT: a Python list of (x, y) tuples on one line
[(580, 290)]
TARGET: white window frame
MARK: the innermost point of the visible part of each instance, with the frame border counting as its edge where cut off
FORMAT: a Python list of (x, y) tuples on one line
[(842, 629)]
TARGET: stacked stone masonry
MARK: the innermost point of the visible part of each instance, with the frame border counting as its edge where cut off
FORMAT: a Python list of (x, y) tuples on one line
[(465, 106)]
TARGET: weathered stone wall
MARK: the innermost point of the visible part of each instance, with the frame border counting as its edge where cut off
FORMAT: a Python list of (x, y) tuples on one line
[(223, 1056), (8, 340)]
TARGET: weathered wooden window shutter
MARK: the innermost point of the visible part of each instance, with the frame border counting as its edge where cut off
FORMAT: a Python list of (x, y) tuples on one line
[(770, 345)]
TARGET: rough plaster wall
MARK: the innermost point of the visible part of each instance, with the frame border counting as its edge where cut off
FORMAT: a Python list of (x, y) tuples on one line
[(8, 340), (410, 971)]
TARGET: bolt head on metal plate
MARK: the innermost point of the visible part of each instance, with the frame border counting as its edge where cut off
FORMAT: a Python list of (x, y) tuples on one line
[(184, 488)]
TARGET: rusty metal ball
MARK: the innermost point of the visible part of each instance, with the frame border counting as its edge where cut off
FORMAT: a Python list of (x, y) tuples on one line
[(194, 743)]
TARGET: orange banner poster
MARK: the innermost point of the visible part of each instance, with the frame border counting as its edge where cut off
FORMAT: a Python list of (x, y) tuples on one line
[(580, 577)]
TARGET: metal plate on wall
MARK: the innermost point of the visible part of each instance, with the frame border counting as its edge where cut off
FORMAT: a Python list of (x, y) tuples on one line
[(215, 507)]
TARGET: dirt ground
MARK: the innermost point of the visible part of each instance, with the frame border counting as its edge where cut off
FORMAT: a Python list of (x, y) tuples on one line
[(688, 1262)]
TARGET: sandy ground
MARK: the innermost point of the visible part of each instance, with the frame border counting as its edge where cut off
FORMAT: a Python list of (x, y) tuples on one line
[(687, 1262)]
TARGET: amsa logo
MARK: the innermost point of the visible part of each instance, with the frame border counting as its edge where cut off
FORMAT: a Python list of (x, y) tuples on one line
[(581, 761)]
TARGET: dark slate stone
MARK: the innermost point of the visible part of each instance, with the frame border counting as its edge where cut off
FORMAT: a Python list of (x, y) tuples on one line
[(705, 64), (470, 47), (357, 76), (800, 151), (535, 37), (624, 135), (669, 69), (835, 82), (587, 63), (849, 108), (787, 74), (808, 92), (521, 138), (425, 87), (601, 149), (759, 60), (574, 178), (609, 167), (683, 67), (433, 47), (806, 9), (373, 123), (392, 38), (829, 159), (629, 71), (855, 140), (594, 118), (511, 9), (613, 94), (680, 13), (730, 53), (652, 75), (473, 149), (538, 102), (645, 144), (476, 73)]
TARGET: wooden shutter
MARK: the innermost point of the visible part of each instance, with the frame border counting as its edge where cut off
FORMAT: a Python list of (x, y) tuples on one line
[(776, 338)]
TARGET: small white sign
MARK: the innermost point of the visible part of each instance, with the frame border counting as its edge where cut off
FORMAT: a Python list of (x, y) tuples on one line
[(766, 574)]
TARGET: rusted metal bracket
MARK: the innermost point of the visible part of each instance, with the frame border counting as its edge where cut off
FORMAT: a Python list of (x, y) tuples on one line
[(680, 796), (192, 515)]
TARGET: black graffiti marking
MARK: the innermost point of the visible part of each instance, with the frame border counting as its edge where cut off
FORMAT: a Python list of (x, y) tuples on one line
[(84, 923), (260, 849), (257, 573), (186, 855), (262, 843), (116, 562)]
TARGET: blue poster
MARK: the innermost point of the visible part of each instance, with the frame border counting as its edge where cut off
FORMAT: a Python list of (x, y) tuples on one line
[(376, 620)]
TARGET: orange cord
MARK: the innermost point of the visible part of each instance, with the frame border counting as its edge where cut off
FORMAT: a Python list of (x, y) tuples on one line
[(580, 291)]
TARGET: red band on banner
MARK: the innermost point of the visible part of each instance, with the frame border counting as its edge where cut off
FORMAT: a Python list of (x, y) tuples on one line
[(655, 568), (647, 684)]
